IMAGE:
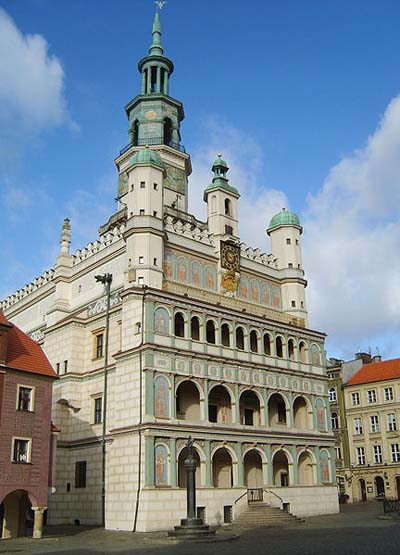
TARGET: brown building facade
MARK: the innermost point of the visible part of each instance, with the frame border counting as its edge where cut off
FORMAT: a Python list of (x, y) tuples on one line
[(26, 432)]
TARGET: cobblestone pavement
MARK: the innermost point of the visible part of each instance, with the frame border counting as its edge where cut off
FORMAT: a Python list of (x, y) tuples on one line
[(356, 530)]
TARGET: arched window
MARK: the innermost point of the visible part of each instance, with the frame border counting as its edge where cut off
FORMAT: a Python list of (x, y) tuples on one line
[(279, 347), (267, 344), (291, 349), (195, 328), (210, 332), (213, 204), (240, 339), (167, 131), (225, 335), (302, 351), (332, 394), (253, 341), (179, 324), (335, 421), (228, 207), (135, 132)]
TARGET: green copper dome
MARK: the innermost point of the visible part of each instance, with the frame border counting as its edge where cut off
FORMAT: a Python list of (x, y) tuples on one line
[(220, 163), (285, 217), (147, 156)]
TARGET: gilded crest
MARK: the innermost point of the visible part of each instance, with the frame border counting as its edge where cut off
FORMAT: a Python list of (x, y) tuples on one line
[(229, 281)]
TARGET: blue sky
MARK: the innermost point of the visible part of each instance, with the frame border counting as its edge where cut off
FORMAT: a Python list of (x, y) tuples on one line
[(301, 98)]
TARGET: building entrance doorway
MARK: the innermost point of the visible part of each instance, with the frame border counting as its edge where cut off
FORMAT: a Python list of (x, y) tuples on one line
[(362, 490), (17, 515), (398, 486), (379, 486)]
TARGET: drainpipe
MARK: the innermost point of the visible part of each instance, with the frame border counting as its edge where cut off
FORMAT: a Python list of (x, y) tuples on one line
[(140, 417), (106, 280)]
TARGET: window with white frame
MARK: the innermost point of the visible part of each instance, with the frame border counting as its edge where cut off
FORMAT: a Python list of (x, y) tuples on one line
[(335, 421), (332, 394), (25, 398), (21, 452), (358, 429), (338, 451), (392, 424), (360, 455), (395, 452), (355, 398), (377, 454), (374, 423), (371, 396), (388, 392)]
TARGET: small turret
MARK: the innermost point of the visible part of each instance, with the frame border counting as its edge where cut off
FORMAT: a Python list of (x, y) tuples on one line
[(221, 199), (65, 237)]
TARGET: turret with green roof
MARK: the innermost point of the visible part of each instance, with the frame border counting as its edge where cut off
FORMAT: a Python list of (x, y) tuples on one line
[(284, 217)]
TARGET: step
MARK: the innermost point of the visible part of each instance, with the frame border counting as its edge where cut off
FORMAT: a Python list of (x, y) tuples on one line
[(262, 514)]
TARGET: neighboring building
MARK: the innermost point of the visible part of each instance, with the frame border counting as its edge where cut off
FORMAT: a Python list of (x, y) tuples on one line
[(26, 434), (372, 398), (208, 337), (339, 372)]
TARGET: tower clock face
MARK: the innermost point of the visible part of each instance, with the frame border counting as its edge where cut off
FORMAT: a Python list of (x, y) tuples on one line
[(230, 256)]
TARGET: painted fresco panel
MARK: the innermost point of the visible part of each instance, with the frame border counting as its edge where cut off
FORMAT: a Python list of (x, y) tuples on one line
[(161, 321), (160, 466), (161, 397)]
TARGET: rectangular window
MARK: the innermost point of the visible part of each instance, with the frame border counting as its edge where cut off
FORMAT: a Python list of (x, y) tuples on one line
[(80, 474), (371, 396), (338, 451), (154, 261), (140, 280), (360, 455), (25, 398), (377, 454), (332, 394), (98, 410), (355, 398), (290, 265), (395, 452), (21, 450), (142, 184), (155, 213), (388, 391), (358, 429), (155, 186), (99, 345), (65, 366), (288, 241), (374, 424), (58, 368), (392, 424), (141, 259), (141, 212), (228, 230)]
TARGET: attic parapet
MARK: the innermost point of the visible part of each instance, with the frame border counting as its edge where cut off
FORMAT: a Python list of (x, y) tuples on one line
[(29, 288)]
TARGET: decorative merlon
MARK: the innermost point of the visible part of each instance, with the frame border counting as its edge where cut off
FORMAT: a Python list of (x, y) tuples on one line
[(188, 229)]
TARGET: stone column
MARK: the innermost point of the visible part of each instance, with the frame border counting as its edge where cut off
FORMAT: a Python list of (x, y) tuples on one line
[(149, 79), (173, 397), (143, 82), (205, 407), (295, 466), (173, 479), (38, 521), (240, 473), (207, 451), (158, 79), (291, 416), (149, 387), (269, 479), (149, 460), (236, 416), (166, 85)]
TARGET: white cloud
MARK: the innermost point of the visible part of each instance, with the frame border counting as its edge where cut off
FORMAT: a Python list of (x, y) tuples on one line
[(352, 243), (31, 82), (244, 156)]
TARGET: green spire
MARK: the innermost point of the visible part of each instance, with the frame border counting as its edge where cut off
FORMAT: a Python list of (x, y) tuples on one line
[(220, 169), (156, 48)]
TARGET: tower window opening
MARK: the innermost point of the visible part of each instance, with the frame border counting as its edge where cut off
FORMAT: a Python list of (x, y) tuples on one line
[(142, 184), (228, 207), (167, 131), (290, 265), (195, 328), (228, 230), (153, 79), (162, 77), (240, 339), (179, 325), (288, 241), (279, 347), (210, 332), (135, 132)]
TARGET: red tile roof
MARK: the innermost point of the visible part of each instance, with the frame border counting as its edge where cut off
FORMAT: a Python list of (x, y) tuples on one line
[(23, 353), (377, 372)]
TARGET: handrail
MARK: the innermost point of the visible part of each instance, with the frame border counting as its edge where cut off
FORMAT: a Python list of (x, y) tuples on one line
[(273, 493), (264, 490), (239, 498), (153, 141)]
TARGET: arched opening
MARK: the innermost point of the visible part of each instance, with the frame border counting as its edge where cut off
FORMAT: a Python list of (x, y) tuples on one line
[(303, 353), (253, 341), (195, 328), (267, 344), (225, 335), (187, 401), (167, 131), (239, 339), (362, 490), (291, 349), (18, 516), (219, 405), (222, 469), (228, 207), (253, 474), (334, 421), (300, 414), (379, 486), (182, 476), (213, 204), (279, 347), (280, 469), (153, 70), (135, 133), (306, 471), (210, 332), (276, 410), (249, 404), (179, 325)]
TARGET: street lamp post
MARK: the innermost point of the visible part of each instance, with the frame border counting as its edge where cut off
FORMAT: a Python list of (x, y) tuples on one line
[(106, 280)]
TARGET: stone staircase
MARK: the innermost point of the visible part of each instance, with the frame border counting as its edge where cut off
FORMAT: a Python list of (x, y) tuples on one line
[(258, 514)]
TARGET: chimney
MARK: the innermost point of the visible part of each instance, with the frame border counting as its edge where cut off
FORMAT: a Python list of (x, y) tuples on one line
[(5, 327), (365, 357), (377, 358)]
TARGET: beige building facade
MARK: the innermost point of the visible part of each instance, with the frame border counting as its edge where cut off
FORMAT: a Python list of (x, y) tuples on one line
[(207, 337)]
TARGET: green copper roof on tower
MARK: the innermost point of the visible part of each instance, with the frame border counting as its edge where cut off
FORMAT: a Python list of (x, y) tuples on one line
[(285, 217), (220, 168), (156, 48), (147, 156)]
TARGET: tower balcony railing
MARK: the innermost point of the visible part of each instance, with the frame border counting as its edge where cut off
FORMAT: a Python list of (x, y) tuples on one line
[(151, 141)]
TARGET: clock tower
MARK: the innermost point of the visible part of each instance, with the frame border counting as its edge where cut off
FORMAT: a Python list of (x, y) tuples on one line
[(154, 121)]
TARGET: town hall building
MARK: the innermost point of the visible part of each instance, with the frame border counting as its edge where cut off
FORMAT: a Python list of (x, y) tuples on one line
[(165, 327)]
